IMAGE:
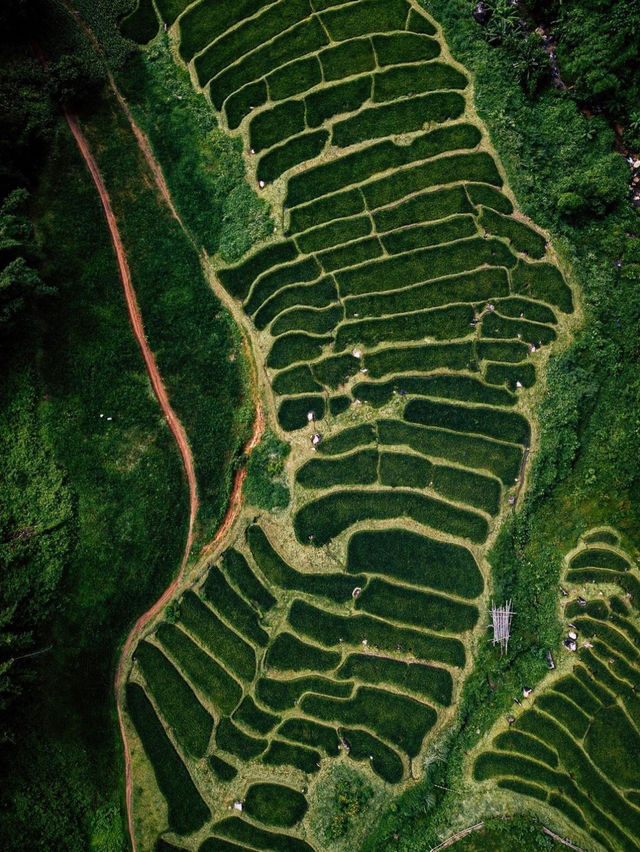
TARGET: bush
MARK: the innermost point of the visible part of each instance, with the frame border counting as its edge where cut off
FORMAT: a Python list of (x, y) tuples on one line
[(350, 254), (204, 23), (265, 484), (446, 386), (543, 281), (426, 206), (238, 279), (497, 350), (187, 810), (348, 439), (415, 559), (190, 723), (325, 209), (382, 759), (335, 370), (488, 196), (514, 306), (419, 236), (295, 380), (523, 743), (142, 24), (222, 770), (510, 374), (274, 125)]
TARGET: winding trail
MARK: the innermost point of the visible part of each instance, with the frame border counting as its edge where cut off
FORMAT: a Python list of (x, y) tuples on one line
[(175, 426)]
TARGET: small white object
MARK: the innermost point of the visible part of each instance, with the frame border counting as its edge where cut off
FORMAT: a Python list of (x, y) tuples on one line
[(573, 634), (309, 416), (365, 642), (518, 384), (237, 806), (356, 315), (363, 370), (102, 415), (261, 184), (357, 353), (251, 151), (109, 418), (533, 348)]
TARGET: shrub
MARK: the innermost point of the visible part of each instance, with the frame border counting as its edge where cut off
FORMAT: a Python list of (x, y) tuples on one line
[(359, 468), (294, 411), (190, 723), (415, 559), (233, 607), (485, 420), (333, 630), (294, 77), (349, 57), (565, 712), (221, 642), (305, 759), (288, 653), (311, 734), (254, 717), (471, 451), (200, 669), (171, 9), (599, 557), (275, 804), (419, 608), (401, 720), (187, 810), (290, 154), (238, 571), (265, 484), (493, 765), (336, 587), (230, 738), (610, 742), (333, 233), (522, 787), (418, 23), (429, 682)]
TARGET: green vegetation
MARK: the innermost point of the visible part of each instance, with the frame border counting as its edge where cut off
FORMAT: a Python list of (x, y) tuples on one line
[(344, 799), (426, 681), (187, 811), (244, 579), (311, 734), (265, 485), (232, 739), (280, 754), (223, 771), (288, 653), (224, 599), (274, 804), (236, 829), (252, 716)]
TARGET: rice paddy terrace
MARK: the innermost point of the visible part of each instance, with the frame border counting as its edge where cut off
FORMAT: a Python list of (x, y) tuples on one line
[(574, 744), (400, 313)]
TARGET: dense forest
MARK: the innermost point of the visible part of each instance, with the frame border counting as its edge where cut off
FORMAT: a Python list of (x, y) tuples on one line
[(79, 498)]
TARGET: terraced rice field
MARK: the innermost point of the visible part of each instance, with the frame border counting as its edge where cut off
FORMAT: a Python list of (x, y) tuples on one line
[(575, 743), (399, 313)]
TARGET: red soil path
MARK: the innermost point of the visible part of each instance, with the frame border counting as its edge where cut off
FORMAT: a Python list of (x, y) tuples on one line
[(175, 426)]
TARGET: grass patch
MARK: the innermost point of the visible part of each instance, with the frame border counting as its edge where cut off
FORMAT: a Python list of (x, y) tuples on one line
[(200, 669), (310, 734), (190, 723), (290, 154), (294, 77), (293, 347), (232, 739), (240, 103), (275, 804), (436, 323), (284, 694), (294, 412), (333, 630), (254, 717), (313, 320), (415, 559), (239, 572), (366, 16), (425, 358), (187, 810), (359, 468)]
